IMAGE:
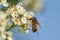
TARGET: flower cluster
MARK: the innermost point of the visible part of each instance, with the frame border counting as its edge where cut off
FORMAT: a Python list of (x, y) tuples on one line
[(15, 16), (20, 17), (4, 35)]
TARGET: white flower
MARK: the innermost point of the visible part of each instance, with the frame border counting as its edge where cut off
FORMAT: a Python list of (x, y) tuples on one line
[(24, 20), (16, 21), (8, 35), (4, 3), (26, 31), (4, 34), (18, 9), (14, 15), (28, 15), (14, 9), (9, 38), (3, 21), (2, 30), (21, 10), (2, 14)]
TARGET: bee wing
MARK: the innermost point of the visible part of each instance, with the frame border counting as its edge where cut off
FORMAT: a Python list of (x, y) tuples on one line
[(37, 33), (39, 26)]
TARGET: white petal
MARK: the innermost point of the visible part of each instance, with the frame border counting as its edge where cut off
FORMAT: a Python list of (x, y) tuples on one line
[(27, 31), (9, 38), (5, 4), (4, 1), (23, 19)]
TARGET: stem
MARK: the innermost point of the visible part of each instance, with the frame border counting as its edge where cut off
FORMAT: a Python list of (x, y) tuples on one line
[(11, 27)]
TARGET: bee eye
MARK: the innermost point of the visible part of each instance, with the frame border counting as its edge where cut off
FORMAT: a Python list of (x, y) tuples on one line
[(30, 19)]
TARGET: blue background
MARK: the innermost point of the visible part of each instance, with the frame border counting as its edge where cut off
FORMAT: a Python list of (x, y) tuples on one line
[(49, 20), (50, 23)]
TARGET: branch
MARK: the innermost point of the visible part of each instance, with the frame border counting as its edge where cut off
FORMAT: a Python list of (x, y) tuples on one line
[(11, 27)]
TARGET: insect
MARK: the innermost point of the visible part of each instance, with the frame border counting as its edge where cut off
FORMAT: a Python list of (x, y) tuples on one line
[(35, 24)]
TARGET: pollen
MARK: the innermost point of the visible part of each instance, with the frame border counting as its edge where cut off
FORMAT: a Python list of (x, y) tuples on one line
[(16, 21), (14, 8)]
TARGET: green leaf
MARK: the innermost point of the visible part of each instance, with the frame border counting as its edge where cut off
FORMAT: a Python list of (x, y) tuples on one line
[(8, 16), (13, 2), (21, 15)]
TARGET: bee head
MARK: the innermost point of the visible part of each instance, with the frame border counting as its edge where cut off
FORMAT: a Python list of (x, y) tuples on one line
[(33, 18)]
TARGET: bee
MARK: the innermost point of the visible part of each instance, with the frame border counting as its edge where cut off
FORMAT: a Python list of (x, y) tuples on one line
[(35, 24)]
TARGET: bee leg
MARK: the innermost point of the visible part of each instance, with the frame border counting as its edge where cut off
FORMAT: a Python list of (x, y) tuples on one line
[(28, 29)]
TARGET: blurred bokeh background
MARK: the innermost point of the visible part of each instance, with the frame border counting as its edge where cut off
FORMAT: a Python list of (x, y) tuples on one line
[(50, 23), (49, 19)]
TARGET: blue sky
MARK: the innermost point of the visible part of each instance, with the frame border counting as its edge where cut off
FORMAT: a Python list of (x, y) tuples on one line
[(50, 23)]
